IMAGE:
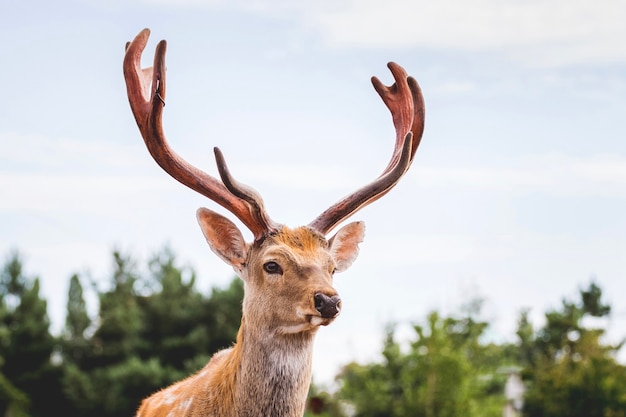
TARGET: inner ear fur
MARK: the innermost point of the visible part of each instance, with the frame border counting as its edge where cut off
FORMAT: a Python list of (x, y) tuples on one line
[(224, 238), (344, 245)]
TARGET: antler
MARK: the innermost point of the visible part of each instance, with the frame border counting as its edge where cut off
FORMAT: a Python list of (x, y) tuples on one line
[(405, 101), (146, 94)]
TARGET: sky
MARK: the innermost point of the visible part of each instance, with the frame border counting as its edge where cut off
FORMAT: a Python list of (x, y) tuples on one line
[(517, 193)]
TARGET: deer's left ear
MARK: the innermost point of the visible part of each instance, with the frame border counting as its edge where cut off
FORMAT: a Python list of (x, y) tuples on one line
[(344, 246)]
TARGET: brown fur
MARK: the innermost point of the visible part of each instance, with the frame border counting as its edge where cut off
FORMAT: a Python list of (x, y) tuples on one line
[(267, 372)]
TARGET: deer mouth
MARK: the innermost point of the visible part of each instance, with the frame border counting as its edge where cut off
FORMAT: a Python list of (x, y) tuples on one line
[(317, 320), (307, 323)]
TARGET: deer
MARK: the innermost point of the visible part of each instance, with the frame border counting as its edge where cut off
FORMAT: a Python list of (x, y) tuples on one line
[(287, 272)]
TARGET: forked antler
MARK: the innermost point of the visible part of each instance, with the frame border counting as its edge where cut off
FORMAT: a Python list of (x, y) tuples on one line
[(405, 102), (146, 94)]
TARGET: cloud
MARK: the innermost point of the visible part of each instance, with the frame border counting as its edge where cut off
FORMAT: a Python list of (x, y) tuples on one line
[(556, 174), (49, 154), (550, 33), (45, 174), (410, 250), (91, 193), (79, 174), (486, 23)]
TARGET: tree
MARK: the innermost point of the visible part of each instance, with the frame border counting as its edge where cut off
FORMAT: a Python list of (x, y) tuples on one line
[(569, 370), (12, 401), (27, 344), (75, 345), (117, 336), (447, 371), (152, 330), (223, 308), (174, 327), (95, 366)]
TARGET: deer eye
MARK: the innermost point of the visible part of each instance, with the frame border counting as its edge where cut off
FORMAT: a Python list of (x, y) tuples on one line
[(272, 267)]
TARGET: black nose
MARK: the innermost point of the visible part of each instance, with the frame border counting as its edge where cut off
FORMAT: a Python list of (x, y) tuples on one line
[(328, 307)]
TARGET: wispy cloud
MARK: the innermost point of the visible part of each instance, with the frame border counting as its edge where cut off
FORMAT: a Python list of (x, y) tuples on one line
[(45, 154), (556, 174), (549, 173), (538, 33), (44, 174), (44, 192), (71, 175)]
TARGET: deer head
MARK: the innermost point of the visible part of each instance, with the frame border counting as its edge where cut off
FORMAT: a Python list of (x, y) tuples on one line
[(288, 272)]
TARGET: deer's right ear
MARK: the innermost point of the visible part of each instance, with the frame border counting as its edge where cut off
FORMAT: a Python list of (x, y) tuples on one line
[(223, 237)]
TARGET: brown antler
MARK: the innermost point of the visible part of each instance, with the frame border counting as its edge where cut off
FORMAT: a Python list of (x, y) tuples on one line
[(404, 100), (146, 94)]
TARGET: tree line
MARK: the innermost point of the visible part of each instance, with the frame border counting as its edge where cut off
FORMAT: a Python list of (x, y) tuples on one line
[(153, 328)]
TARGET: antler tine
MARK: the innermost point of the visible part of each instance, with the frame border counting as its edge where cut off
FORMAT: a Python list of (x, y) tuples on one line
[(146, 94), (244, 192), (405, 102)]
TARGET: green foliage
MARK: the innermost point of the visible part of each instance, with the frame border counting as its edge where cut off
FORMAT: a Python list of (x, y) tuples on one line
[(153, 328), (446, 371), (13, 402), (13, 282), (121, 318), (115, 389), (74, 343), (570, 371), (224, 310), (26, 343), (174, 326)]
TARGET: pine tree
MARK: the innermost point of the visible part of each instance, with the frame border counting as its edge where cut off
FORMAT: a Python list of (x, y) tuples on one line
[(118, 335), (77, 321), (175, 330), (28, 348), (12, 401)]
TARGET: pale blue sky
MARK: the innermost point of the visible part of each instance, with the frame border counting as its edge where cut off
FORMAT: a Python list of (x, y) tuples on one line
[(517, 193)]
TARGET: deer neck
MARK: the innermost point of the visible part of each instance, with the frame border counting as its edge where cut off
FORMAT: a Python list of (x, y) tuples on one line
[(274, 372)]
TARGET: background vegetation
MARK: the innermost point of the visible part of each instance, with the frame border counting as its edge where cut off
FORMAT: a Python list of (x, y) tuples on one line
[(153, 329)]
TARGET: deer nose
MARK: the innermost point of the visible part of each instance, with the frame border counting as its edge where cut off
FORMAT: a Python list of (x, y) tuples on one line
[(328, 307)]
